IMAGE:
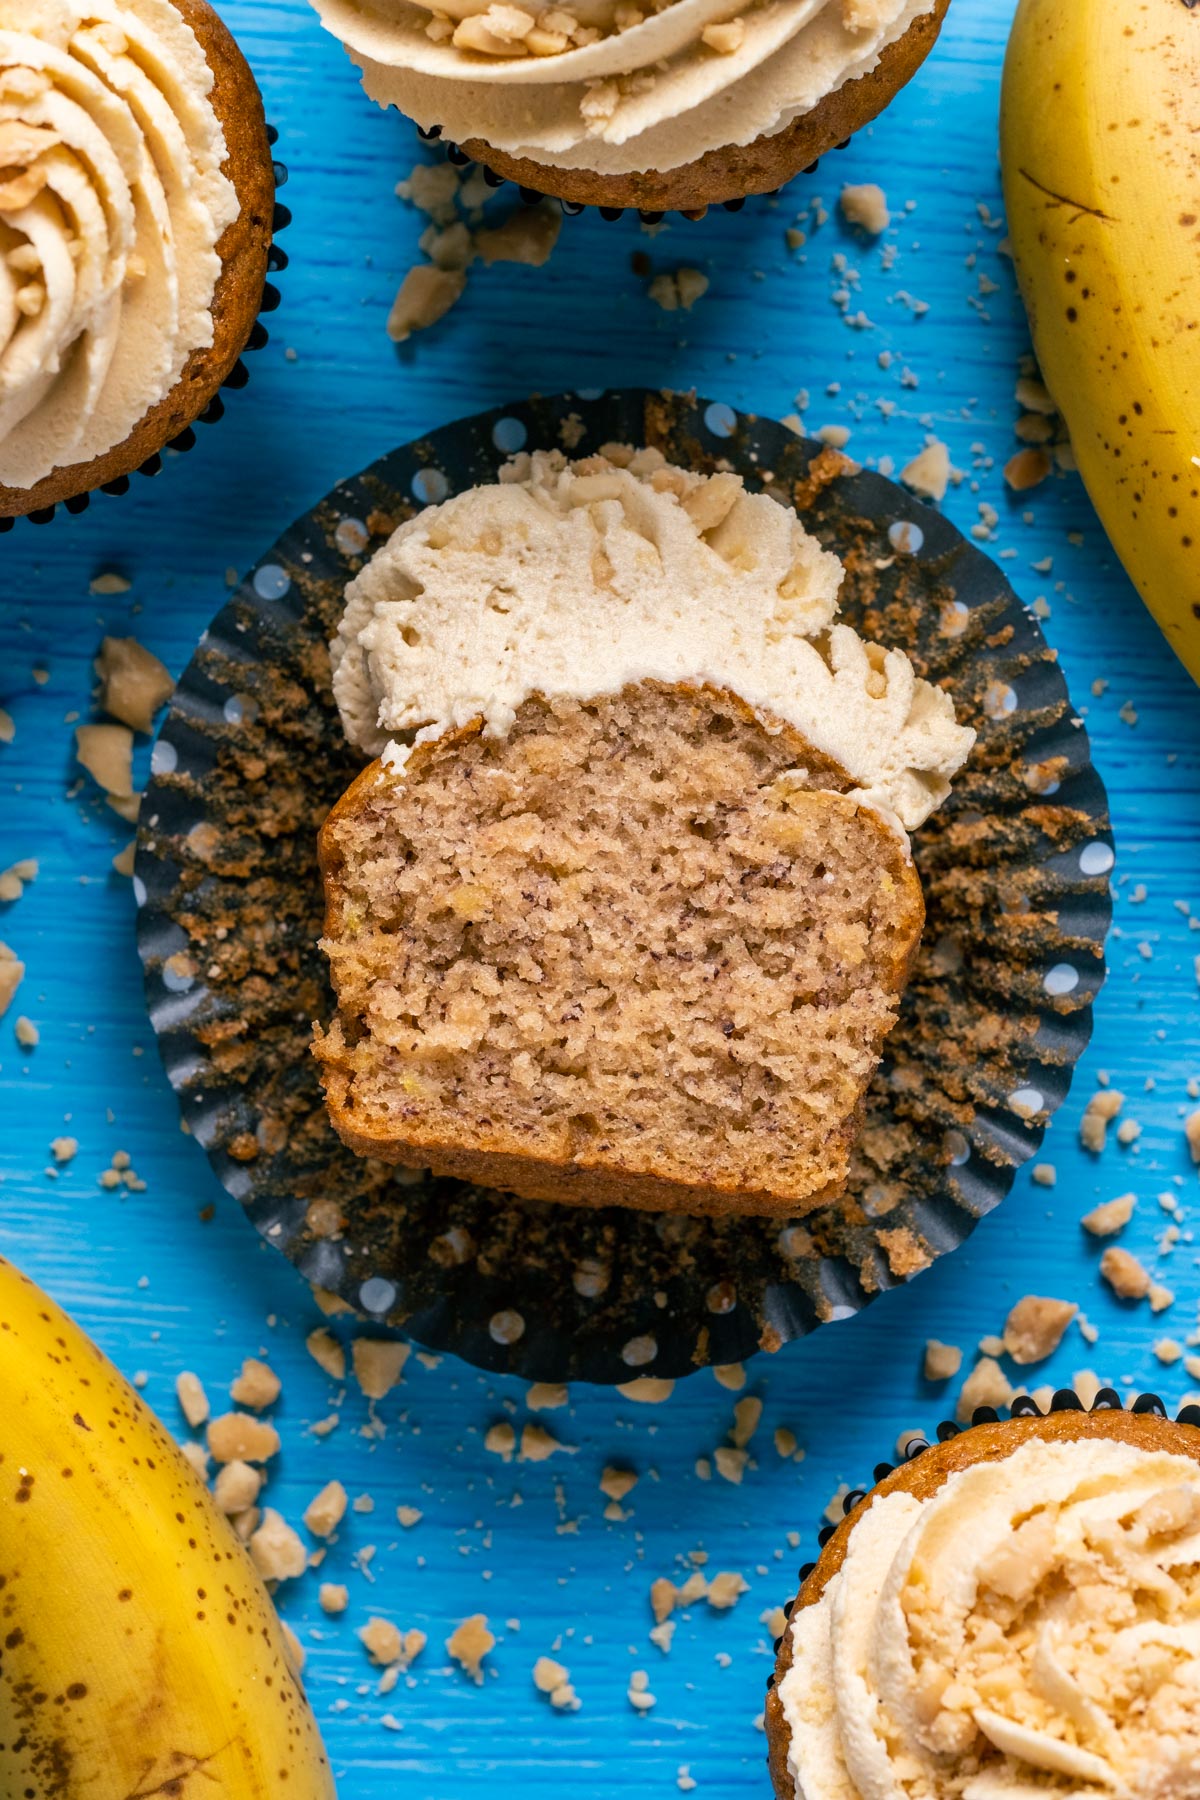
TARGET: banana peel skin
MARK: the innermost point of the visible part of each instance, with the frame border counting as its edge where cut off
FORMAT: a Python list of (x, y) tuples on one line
[(140, 1654), (1100, 156)]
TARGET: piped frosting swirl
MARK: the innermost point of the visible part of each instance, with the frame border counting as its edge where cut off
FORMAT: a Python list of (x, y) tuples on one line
[(112, 203)]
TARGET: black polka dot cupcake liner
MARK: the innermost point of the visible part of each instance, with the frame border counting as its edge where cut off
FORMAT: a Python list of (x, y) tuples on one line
[(571, 209), (237, 377), (1015, 869)]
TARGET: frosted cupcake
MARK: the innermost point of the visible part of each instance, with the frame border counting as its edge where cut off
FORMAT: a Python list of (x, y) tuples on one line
[(136, 194), (1013, 1616), (673, 104)]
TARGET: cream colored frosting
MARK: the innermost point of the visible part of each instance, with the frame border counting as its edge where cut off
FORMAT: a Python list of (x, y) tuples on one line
[(1031, 1632), (636, 84), (112, 201), (576, 578)]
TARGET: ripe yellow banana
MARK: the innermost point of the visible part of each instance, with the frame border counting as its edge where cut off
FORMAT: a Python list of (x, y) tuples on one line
[(140, 1654), (1100, 151)]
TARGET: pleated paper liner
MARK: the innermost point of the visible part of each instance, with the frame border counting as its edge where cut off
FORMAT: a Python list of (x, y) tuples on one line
[(1015, 868), (571, 209), (237, 378)]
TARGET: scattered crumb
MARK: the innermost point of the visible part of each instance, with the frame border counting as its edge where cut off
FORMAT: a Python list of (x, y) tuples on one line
[(470, 1643), (237, 1487), (1027, 469), (942, 1361), (133, 683), (546, 1396), (1045, 1174), (1124, 1274), (553, 1680), (537, 1444), (409, 1516), (1110, 1216), (12, 973), (425, 295), (501, 1440), (388, 1646), (866, 205), (1100, 1110), (193, 1400), (257, 1385), (325, 1350), (1160, 1297), (725, 1590), (276, 1550), (26, 1032), (1035, 1326), (930, 472), (986, 1385), (646, 1390), (785, 1441), (638, 1692), (333, 1598), (1168, 1350), (1191, 1131), (730, 1463), (63, 1149), (377, 1365), (14, 880), (325, 1512), (242, 1438), (106, 752), (730, 1375), (680, 288), (527, 235), (616, 1483)]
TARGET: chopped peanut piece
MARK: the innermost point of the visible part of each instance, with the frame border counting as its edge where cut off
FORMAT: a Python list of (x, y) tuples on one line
[(470, 1643), (237, 1437), (237, 1487), (1110, 1216), (276, 1550), (326, 1351), (256, 1386), (325, 1512), (377, 1365), (942, 1361), (1035, 1328), (1124, 1274), (193, 1400), (986, 1385), (133, 683)]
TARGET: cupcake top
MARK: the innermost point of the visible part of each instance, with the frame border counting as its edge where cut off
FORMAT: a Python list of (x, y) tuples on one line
[(1030, 1630), (579, 578), (615, 86), (112, 202)]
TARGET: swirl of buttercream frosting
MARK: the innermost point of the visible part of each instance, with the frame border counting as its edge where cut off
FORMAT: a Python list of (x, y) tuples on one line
[(614, 86), (112, 203)]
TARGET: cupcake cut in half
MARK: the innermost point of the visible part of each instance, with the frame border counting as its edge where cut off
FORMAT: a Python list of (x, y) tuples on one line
[(136, 196), (624, 911), (677, 105), (1015, 1615)]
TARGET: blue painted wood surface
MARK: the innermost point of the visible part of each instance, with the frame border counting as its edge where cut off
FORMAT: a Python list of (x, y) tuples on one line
[(163, 1288)]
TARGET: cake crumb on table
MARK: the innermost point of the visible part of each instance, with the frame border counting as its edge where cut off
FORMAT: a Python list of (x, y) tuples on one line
[(942, 1361), (378, 1363), (237, 1487), (276, 1550), (1191, 1131), (866, 205), (257, 1386), (1125, 1275), (424, 296), (1110, 1216), (678, 288), (638, 1691), (1035, 1327), (134, 684), (326, 1510), (929, 473), (193, 1400), (242, 1438), (1098, 1114), (409, 1516), (553, 1680), (12, 973), (327, 1352), (1045, 1174), (469, 1643), (389, 1647), (546, 1396), (333, 1597), (986, 1385), (64, 1149)]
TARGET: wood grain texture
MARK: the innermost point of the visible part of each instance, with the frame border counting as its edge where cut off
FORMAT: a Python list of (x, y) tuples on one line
[(769, 326)]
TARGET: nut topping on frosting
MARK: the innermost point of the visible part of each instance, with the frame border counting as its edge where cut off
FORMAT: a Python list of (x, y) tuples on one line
[(112, 201), (610, 85), (1030, 1632), (578, 578)]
